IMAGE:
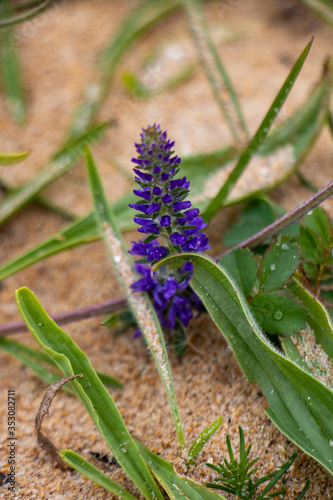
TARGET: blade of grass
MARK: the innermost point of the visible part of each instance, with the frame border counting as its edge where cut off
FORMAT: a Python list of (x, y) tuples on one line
[(10, 159), (11, 70), (61, 162), (33, 358), (202, 439), (215, 71), (21, 18), (87, 469), (259, 136), (323, 8), (95, 397), (139, 303)]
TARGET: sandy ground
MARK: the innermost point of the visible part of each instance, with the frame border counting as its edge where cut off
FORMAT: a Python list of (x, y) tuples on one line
[(258, 42)]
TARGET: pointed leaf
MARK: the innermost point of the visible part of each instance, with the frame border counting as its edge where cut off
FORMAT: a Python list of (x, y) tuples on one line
[(278, 264), (95, 397), (202, 439), (89, 470), (10, 159)]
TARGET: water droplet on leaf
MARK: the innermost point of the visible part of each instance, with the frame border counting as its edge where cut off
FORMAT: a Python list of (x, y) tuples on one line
[(273, 267), (278, 315), (285, 246)]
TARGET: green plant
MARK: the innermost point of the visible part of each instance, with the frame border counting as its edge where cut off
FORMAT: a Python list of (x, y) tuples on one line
[(235, 475)]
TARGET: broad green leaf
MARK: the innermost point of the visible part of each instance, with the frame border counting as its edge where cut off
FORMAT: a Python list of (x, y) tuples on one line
[(87, 469), (61, 162), (177, 487), (278, 264), (139, 303), (256, 215), (279, 313), (286, 386), (202, 439), (10, 159), (259, 136), (241, 264), (95, 397)]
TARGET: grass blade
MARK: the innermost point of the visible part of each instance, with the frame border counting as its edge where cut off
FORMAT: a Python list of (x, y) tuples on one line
[(215, 71), (140, 304), (96, 399), (323, 8), (10, 159), (87, 469), (202, 439), (176, 486), (299, 405), (33, 358), (21, 18), (259, 136), (12, 70), (61, 162)]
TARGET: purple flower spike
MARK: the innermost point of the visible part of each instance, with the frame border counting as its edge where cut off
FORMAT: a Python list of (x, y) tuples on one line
[(166, 215)]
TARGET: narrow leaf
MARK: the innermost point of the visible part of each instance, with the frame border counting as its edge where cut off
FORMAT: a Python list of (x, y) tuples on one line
[(61, 162), (259, 136), (176, 486), (202, 439), (87, 469), (95, 397), (10, 159)]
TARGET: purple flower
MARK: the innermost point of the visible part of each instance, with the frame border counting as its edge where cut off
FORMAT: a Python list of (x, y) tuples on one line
[(171, 226)]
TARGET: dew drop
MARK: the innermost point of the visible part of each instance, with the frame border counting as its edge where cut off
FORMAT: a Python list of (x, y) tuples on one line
[(117, 259), (331, 443), (273, 267), (284, 246), (40, 324), (278, 315), (272, 391)]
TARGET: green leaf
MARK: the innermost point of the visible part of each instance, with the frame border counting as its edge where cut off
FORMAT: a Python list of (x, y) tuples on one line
[(21, 18), (87, 469), (278, 264), (241, 264), (318, 220), (323, 8), (311, 246), (279, 313), (256, 215), (286, 386), (175, 486), (95, 397), (33, 359), (140, 304), (11, 73), (10, 159), (202, 439), (259, 136)]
